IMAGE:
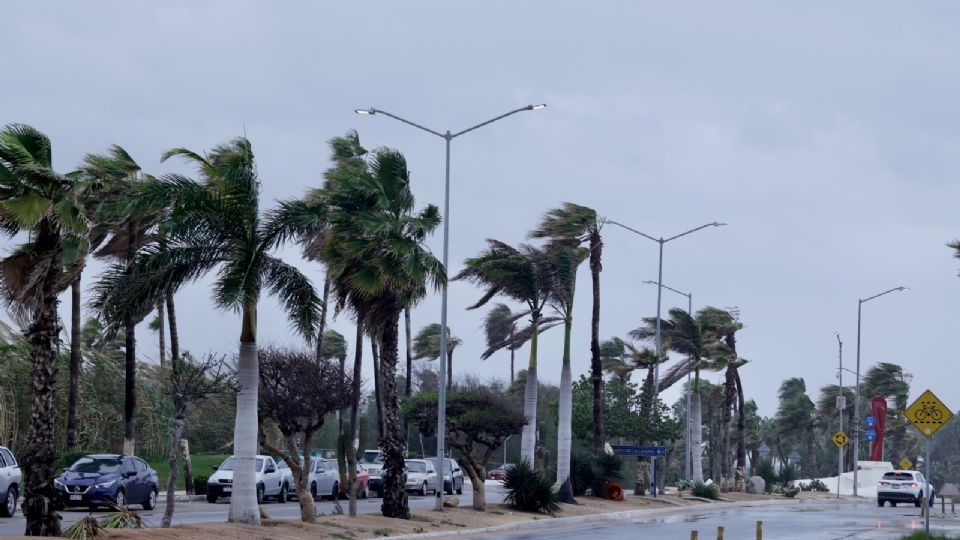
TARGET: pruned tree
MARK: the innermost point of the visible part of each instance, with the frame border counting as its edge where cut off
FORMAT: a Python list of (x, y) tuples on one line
[(478, 422), (298, 393), (190, 383)]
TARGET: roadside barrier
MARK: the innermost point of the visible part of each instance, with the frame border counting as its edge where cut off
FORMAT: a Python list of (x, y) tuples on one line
[(694, 535)]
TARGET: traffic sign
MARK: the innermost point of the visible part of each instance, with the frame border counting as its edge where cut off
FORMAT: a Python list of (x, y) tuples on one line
[(870, 435), (640, 451), (870, 421), (906, 464), (840, 439), (928, 414)]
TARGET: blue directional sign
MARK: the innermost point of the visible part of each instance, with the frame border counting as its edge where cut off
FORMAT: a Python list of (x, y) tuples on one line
[(640, 451), (870, 421), (871, 435)]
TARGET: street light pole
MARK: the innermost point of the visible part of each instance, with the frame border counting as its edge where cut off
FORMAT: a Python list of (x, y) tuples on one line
[(657, 339), (688, 434), (442, 398), (856, 398), (841, 403)]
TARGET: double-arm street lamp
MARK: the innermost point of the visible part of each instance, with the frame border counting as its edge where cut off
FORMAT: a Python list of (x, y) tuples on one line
[(856, 397), (688, 435), (447, 136)]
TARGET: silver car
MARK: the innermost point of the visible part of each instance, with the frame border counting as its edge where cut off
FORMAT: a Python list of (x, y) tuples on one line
[(10, 481), (421, 476)]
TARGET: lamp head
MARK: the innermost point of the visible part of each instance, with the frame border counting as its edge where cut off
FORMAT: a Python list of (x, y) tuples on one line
[(718, 224), (371, 111), (535, 107)]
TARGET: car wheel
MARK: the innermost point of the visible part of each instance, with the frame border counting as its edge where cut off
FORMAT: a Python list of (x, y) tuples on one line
[(880, 503), (282, 497), (933, 497), (121, 499), (313, 490), (335, 494), (423, 489), (460, 488), (9, 506), (259, 493), (151, 501), (211, 498), (365, 494)]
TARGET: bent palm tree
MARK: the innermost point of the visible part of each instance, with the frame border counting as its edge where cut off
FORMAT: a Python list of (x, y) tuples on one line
[(500, 327), (378, 265), (523, 274), (34, 198), (216, 224), (426, 345)]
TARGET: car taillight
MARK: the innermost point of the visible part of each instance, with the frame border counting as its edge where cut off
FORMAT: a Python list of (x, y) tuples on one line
[(913, 484)]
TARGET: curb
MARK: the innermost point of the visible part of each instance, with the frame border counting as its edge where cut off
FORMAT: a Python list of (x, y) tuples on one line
[(162, 498), (595, 518)]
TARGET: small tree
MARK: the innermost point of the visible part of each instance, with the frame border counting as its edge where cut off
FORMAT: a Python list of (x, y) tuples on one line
[(478, 422), (298, 393), (190, 383)]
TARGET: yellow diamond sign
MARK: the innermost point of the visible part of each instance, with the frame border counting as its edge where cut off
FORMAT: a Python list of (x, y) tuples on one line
[(840, 439), (906, 464), (928, 414)]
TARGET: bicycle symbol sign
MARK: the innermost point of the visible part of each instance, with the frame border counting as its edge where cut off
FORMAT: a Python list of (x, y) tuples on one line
[(928, 414)]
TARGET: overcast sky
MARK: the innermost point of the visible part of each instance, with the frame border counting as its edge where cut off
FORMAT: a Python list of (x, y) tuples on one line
[(824, 133)]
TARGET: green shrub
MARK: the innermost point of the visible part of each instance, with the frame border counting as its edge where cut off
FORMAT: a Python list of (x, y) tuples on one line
[(706, 491), (765, 471), (790, 491), (683, 485), (581, 473), (788, 474), (815, 485), (606, 468), (200, 484), (528, 490)]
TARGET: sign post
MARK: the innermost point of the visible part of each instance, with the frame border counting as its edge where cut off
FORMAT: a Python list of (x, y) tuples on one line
[(928, 414), (840, 439)]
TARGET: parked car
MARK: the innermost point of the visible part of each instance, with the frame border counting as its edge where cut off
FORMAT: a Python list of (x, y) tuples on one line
[(268, 476), (421, 476), (324, 480), (904, 486), (10, 481), (372, 461), (500, 473), (289, 486), (107, 479), (450, 468)]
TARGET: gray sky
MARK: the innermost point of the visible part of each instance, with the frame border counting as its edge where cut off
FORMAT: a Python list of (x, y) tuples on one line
[(824, 133)]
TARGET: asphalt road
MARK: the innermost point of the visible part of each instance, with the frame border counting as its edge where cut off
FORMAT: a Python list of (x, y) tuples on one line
[(788, 521), (203, 512)]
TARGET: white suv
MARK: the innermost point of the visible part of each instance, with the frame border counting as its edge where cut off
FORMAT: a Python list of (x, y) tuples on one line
[(10, 481), (904, 486), (269, 480)]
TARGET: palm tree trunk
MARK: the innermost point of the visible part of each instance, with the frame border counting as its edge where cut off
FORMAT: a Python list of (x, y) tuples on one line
[(741, 433), (377, 384), (39, 459), (355, 416), (323, 318), (512, 354), (392, 443), (596, 367), (130, 362), (76, 362), (243, 502), (174, 358), (528, 439), (696, 427), (161, 330), (409, 382), (564, 427), (172, 319), (729, 398)]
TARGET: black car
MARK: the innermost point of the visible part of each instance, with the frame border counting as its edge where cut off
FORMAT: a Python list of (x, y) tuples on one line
[(107, 479)]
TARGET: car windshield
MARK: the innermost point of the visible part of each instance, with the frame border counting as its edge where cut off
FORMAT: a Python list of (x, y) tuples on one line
[(372, 456), (104, 465), (897, 476), (447, 465), (416, 466), (228, 464)]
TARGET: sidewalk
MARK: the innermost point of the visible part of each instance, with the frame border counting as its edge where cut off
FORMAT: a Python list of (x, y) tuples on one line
[(179, 496)]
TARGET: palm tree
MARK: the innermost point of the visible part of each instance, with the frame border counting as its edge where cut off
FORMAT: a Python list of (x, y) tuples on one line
[(572, 221), (795, 417), (500, 326), (525, 275), (426, 345), (216, 224), (36, 199), (378, 265)]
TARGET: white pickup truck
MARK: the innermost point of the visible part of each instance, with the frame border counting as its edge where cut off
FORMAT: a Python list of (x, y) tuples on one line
[(10, 481)]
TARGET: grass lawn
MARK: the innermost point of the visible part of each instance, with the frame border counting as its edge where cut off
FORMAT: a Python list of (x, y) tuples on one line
[(202, 466), (933, 536)]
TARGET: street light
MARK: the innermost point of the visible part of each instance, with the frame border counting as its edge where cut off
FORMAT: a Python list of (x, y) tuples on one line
[(442, 398), (661, 241), (856, 398), (688, 435)]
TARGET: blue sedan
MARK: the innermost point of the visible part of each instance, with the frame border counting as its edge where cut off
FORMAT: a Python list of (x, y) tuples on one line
[(108, 479)]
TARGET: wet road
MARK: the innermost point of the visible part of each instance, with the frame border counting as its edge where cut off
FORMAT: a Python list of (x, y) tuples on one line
[(789, 521), (203, 512)]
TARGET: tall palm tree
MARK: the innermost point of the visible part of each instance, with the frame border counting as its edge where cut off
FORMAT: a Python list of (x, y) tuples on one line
[(525, 275), (426, 345), (378, 265), (572, 221), (217, 224), (500, 327), (565, 259), (613, 356), (36, 199)]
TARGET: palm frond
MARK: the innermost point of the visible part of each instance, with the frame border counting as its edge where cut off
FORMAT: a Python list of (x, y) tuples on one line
[(296, 294)]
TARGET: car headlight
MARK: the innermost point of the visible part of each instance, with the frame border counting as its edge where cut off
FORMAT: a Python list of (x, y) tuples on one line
[(58, 484), (105, 485)]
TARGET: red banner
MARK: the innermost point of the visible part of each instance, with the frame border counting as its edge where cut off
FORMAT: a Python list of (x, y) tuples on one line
[(878, 409)]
